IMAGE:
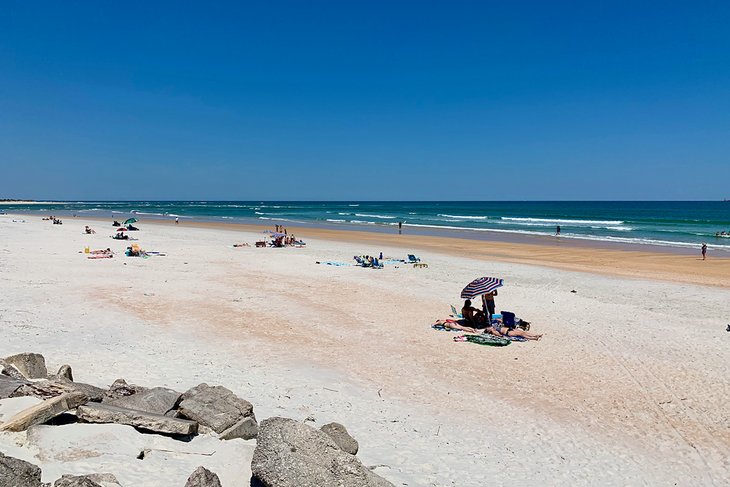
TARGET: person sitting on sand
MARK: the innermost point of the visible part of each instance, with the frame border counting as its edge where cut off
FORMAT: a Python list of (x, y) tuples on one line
[(497, 328), (89, 230), (473, 315)]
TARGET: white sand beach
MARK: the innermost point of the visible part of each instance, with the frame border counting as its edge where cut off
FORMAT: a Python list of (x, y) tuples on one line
[(629, 385)]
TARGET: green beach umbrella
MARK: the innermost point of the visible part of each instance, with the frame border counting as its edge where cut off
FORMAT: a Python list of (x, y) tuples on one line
[(129, 221)]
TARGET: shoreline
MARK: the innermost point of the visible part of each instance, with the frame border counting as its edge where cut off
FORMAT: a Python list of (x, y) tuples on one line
[(670, 267), (716, 244)]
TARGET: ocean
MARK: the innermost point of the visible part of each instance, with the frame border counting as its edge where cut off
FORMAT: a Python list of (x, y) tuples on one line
[(685, 224)]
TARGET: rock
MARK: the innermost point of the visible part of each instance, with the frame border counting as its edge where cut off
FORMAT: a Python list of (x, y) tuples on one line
[(65, 373), (9, 385), (90, 480), (292, 454), (10, 371), (343, 439), (120, 388), (9, 407), (157, 423), (46, 389), (202, 477), (72, 481), (44, 411), (31, 365), (17, 473), (247, 429), (158, 400), (215, 407), (95, 393)]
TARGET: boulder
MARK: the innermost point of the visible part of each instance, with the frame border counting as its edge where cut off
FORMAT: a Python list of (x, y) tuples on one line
[(158, 400), (202, 477), (90, 480), (343, 439), (75, 481), (120, 388), (17, 473), (157, 423), (31, 365), (292, 454), (46, 389), (247, 429), (215, 407), (7, 370), (44, 411), (65, 373), (9, 385)]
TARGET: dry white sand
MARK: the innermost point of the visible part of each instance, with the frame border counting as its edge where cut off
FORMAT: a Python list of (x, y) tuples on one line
[(630, 385)]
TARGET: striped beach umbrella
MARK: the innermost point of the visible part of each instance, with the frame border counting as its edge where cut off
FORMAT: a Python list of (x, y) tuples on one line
[(482, 285)]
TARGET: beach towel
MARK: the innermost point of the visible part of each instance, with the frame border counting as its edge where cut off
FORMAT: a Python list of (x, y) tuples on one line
[(488, 340), (100, 256), (334, 263), (439, 327)]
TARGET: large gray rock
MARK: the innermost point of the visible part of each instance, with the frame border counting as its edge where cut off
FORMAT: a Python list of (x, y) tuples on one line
[(247, 429), (291, 454), (65, 373), (158, 400), (47, 410), (90, 480), (343, 439), (9, 385), (120, 388), (17, 473), (215, 407), (45, 389), (75, 481), (202, 477), (105, 413), (7, 370), (31, 365)]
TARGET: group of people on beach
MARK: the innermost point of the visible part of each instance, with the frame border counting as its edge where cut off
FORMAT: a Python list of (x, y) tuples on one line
[(369, 261), (56, 221), (488, 321)]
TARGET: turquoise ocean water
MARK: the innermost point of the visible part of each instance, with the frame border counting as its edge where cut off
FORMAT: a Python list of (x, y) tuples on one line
[(664, 224)]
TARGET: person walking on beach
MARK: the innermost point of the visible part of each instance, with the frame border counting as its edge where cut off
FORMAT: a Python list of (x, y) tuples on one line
[(177, 220), (557, 231), (704, 251), (400, 228)]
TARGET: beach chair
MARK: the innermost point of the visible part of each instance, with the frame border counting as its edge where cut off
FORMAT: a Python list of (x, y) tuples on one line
[(455, 313), (412, 259)]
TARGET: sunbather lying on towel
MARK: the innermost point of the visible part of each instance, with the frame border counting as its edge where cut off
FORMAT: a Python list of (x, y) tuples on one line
[(455, 325), (497, 328)]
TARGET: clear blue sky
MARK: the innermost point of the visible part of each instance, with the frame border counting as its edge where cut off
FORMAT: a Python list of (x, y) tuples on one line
[(365, 100)]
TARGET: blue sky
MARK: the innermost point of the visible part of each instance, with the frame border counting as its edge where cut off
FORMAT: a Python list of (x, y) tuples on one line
[(370, 100)]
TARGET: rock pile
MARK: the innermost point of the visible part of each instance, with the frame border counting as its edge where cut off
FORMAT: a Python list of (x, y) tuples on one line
[(287, 453)]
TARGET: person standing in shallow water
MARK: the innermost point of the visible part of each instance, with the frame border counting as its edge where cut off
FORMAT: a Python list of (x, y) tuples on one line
[(400, 227), (557, 230), (704, 251)]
